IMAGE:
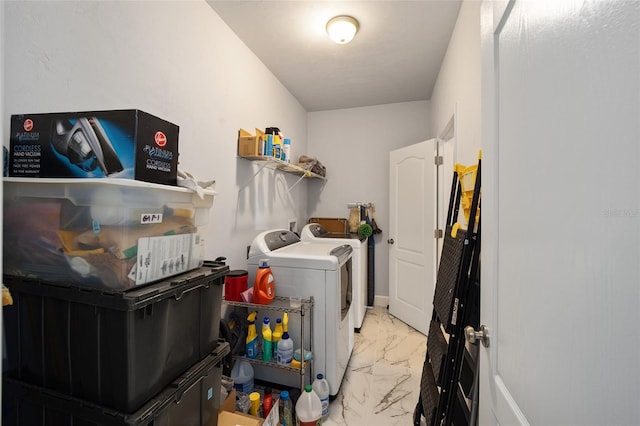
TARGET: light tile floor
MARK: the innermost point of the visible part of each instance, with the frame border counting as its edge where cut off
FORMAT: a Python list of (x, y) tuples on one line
[(382, 382)]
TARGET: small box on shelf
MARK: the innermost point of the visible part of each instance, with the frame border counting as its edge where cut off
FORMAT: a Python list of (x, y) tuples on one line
[(250, 145)]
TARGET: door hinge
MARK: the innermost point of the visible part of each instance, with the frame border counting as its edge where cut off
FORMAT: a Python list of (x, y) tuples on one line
[(437, 233), (438, 160)]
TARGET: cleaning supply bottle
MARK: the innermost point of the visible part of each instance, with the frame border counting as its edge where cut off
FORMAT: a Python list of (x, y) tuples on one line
[(267, 349), (267, 402), (285, 322), (264, 284), (276, 336), (321, 388), (252, 336), (308, 408), (286, 151), (242, 376), (285, 350), (254, 399), (285, 408), (269, 151)]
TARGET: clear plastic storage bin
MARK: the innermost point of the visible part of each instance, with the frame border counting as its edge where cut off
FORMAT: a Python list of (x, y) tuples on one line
[(106, 233)]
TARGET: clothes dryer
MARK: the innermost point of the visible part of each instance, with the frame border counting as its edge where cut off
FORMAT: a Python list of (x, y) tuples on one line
[(321, 270), (314, 232)]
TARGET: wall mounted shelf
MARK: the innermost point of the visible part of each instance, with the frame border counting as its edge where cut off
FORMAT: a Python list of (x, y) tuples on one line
[(276, 164)]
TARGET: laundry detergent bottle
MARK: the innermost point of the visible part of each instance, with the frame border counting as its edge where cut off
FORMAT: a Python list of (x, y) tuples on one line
[(264, 285), (252, 336)]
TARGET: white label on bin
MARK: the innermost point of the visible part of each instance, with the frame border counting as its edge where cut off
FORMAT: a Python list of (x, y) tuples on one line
[(161, 257), (209, 393), (147, 218)]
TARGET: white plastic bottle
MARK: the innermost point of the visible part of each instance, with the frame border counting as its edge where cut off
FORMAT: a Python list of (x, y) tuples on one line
[(242, 375), (321, 388), (308, 408), (285, 349), (286, 157)]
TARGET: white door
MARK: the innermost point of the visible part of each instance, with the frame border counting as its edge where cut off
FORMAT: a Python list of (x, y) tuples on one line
[(412, 247), (561, 213)]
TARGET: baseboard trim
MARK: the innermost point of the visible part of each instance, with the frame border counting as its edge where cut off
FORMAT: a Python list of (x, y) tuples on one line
[(381, 301)]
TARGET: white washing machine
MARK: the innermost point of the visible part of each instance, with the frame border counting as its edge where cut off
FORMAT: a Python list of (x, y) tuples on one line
[(321, 270), (314, 232)]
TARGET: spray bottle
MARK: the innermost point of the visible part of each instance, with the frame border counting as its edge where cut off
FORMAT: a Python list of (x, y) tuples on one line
[(252, 336)]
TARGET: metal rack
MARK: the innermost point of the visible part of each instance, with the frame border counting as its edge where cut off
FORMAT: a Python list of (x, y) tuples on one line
[(282, 304)]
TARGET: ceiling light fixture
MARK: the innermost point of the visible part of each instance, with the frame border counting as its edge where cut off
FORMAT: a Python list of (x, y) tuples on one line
[(342, 29)]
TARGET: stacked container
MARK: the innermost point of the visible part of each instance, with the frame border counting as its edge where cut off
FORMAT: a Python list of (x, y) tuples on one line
[(115, 352), (116, 314)]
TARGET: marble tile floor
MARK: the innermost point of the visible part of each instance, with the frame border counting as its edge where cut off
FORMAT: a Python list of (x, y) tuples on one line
[(382, 382)]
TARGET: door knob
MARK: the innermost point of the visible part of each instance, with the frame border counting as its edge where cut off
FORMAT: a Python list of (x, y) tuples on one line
[(390, 241), (473, 336)]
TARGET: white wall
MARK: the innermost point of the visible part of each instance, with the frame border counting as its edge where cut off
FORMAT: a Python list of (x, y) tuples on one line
[(179, 61), (354, 145), (176, 60), (458, 85), (341, 138)]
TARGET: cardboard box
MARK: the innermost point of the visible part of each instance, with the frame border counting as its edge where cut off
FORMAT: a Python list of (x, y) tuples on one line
[(227, 416), (129, 144), (250, 145)]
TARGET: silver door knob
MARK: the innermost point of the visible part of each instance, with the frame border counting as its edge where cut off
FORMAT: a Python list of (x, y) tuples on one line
[(474, 336), (390, 241)]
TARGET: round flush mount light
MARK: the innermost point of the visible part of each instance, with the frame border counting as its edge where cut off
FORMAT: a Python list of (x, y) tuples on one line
[(342, 29)]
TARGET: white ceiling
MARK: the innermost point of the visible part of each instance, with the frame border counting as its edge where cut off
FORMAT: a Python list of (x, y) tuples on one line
[(395, 57)]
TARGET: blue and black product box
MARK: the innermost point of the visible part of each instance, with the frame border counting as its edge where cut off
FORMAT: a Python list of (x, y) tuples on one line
[(128, 144)]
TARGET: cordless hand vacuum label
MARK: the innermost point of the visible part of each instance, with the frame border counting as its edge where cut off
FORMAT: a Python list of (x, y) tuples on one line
[(159, 159), (27, 154)]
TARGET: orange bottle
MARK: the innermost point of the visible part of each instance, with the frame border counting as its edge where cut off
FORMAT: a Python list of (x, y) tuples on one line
[(264, 285)]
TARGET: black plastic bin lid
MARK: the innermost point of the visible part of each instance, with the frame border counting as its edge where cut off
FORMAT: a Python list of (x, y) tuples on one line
[(210, 274)]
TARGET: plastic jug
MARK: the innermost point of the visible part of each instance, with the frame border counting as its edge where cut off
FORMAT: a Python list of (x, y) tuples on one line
[(267, 349), (308, 408), (264, 285), (321, 388), (242, 375), (285, 350)]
